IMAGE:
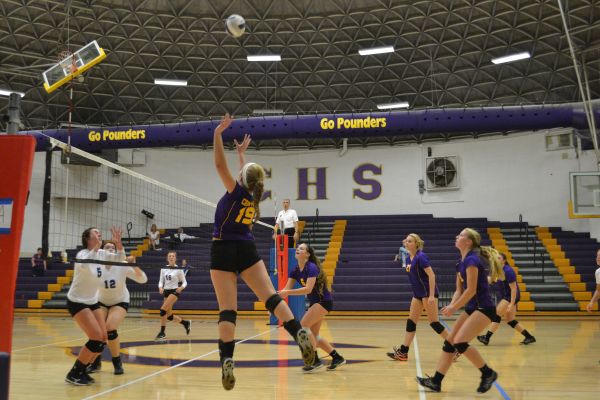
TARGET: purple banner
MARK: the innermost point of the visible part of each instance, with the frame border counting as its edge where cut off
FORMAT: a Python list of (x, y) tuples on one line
[(394, 123)]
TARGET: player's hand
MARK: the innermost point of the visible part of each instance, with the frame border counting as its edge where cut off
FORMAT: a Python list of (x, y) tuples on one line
[(224, 124), (510, 307), (448, 311), (116, 232), (241, 147), (283, 293), (431, 301), (161, 291), (589, 306)]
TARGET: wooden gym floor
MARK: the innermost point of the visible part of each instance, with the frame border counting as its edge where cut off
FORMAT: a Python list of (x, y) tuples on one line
[(564, 363)]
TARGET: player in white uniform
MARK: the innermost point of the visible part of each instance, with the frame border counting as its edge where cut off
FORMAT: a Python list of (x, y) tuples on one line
[(114, 302), (82, 300), (170, 285), (596, 296)]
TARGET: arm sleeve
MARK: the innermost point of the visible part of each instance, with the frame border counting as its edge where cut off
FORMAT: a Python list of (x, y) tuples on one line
[(295, 216), (313, 270), (278, 219), (183, 280), (598, 276), (424, 261), (131, 274), (161, 279), (510, 275)]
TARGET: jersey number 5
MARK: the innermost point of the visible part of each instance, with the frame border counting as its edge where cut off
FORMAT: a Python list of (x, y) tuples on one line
[(245, 215)]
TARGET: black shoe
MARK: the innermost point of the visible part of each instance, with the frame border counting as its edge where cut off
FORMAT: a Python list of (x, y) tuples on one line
[(95, 366), (484, 339), (316, 365), (429, 384), (227, 378), (118, 364), (88, 377), (160, 338), (397, 354), (308, 353), (528, 340), (336, 362), (187, 324), (487, 382), (80, 380)]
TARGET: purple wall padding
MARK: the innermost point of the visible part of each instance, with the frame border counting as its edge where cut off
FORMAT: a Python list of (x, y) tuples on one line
[(395, 123)]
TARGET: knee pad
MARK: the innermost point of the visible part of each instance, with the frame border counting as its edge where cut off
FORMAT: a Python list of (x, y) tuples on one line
[(95, 346), (410, 325), (112, 335), (461, 347), (163, 312), (448, 348), (272, 302), (437, 327), (170, 317), (227, 316), (497, 319), (513, 323)]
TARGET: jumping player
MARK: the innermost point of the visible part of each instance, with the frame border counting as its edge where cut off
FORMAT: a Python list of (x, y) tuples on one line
[(234, 252)]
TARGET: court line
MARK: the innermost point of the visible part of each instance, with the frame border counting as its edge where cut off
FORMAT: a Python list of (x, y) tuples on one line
[(496, 384), (67, 341), (422, 395), (143, 378)]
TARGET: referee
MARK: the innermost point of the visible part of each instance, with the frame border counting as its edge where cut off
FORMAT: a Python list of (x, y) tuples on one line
[(287, 220)]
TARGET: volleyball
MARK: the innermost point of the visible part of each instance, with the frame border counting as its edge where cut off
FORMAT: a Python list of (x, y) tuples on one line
[(235, 25)]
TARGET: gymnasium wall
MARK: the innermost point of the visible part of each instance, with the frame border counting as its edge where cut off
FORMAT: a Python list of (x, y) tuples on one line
[(500, 178)]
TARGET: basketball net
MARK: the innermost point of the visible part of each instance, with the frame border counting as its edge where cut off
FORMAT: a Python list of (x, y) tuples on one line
[(67, 61)]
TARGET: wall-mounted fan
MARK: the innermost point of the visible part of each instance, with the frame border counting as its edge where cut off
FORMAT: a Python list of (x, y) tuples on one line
[(442, 173)]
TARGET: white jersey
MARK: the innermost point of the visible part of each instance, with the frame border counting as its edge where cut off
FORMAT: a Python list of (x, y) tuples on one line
[(289, 218), (598, 276), (113, 289), (172, 278), (87, 277)]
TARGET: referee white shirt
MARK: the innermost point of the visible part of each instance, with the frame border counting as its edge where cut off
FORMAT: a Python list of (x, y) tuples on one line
[(113, 289), (598, 276), (289, 218), (171, 278), (87, 278)]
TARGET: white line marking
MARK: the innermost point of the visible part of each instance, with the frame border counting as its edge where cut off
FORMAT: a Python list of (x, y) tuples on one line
[(143, 378), (419, 371), (66, 341)]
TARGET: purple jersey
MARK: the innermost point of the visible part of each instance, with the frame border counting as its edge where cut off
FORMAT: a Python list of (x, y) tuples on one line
[(234, 214), (509, 277), (419, 280), (310, 271), (482, 298)]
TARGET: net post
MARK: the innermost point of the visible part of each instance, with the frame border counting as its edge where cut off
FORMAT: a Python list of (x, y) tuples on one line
[(16, 155)]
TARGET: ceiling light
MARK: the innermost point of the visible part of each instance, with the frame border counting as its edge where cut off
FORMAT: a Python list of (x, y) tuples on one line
[(387, 106), (272, 57), (376, 50), (267, 111), (170, 82), (4, 92), (513, 57)]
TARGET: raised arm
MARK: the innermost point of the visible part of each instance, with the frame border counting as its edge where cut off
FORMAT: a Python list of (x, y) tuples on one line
[(241, 149), (219, 154)]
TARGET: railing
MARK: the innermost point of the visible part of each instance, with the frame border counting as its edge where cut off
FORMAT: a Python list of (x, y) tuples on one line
[(539, 253)]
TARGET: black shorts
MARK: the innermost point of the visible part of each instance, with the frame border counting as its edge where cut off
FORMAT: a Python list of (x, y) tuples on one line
[(121, 304), (74, 307), (326, 304), (168, 292), (233, 255), (489, 312)]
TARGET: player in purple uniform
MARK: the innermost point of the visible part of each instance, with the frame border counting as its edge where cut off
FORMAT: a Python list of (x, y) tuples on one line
[(422, 279), (233, 252), (472, 291), (507, 306), (313, 279)]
